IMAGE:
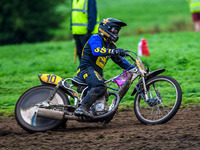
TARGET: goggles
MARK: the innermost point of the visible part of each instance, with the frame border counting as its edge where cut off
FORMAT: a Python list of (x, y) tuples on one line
[(114, 30)]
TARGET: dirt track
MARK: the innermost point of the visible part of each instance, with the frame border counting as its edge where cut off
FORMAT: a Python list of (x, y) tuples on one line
[(124, 132)]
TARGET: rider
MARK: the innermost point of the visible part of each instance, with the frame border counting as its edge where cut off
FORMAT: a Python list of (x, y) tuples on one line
[(99, 48)]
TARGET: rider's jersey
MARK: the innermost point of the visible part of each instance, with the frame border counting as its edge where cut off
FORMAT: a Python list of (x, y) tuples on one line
[(96, 54)]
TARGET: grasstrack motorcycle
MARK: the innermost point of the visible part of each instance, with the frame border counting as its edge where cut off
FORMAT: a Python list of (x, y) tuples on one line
[(51, 104)]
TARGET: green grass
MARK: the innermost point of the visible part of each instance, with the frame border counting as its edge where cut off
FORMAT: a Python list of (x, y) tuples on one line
[(141, 16), (176, 52), (20, 65)]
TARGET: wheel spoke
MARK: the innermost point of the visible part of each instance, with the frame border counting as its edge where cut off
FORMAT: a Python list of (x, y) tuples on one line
[(165, 94), (26, 108), (165, 109)]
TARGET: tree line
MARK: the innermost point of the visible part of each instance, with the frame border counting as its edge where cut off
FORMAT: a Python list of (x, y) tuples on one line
[(29, 20)]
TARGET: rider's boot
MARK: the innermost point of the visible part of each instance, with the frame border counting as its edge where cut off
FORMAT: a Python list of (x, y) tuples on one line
[(90, 98), (83, 111)]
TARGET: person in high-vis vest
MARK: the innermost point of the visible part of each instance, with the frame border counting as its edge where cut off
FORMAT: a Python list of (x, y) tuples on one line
[(195, 11), (84, 22)]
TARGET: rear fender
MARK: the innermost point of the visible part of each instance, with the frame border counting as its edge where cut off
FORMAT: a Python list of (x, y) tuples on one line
[(49, 79), (46, 79), (149, 76)]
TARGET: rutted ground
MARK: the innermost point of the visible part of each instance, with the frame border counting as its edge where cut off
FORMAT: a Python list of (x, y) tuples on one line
[(123, 132)]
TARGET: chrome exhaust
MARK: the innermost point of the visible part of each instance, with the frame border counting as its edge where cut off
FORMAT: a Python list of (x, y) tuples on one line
[(54, 114), (51, 114)]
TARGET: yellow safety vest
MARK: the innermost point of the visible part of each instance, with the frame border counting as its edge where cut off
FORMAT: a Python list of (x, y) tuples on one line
[(194, 5), (80, 18)]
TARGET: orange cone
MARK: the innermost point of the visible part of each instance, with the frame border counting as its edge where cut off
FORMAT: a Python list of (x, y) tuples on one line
[(143, 48)]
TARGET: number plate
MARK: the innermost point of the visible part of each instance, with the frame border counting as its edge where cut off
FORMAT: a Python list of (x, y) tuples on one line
[(50, 78)]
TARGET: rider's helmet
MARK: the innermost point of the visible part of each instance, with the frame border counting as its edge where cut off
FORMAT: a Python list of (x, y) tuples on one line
[(110, 28)]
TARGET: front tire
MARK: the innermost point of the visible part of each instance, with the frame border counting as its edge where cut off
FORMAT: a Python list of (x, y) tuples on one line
[(26, 107), (167, 100)]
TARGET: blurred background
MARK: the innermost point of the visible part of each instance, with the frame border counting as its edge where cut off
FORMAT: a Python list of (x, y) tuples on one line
[(35, 38), (24, 21)]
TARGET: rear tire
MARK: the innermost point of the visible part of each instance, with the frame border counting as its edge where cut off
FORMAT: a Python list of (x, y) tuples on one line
[(170, 96), (26, 106)]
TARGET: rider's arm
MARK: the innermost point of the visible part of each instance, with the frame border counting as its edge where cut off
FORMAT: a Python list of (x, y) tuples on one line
[(122, 62), (95, 43)]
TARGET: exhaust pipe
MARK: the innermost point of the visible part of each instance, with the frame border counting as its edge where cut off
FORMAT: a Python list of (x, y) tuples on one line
[(53, 114)]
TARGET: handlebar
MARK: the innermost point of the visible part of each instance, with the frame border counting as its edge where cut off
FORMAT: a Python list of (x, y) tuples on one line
[(127, 54)]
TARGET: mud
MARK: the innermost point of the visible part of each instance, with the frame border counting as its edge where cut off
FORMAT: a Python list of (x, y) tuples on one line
[(124, 132)]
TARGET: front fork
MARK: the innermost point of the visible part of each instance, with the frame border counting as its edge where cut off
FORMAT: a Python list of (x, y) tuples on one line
[(151, 101), (145, 89)]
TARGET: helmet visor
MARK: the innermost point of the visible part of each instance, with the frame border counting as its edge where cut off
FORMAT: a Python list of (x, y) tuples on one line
[(115, 30)]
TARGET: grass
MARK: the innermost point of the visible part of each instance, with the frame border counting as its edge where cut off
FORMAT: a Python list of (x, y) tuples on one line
[(20, 65), (142, 16), (176, 52)]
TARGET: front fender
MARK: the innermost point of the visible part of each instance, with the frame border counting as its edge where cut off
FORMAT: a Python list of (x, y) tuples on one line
[(149, 76)]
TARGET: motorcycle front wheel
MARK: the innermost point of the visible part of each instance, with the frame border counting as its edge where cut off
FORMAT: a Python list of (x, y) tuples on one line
[(165, 99), (26, 108)]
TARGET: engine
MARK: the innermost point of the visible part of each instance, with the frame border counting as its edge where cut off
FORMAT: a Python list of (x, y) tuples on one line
[(100, 106)]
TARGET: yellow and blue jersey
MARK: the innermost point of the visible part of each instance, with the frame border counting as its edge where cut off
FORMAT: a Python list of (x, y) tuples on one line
[(96, 54)]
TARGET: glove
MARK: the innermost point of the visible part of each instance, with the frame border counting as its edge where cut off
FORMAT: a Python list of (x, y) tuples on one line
[(118, 51)]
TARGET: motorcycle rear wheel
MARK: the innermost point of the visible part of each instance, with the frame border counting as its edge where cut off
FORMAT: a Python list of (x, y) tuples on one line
[(26, 107), (167, 103)]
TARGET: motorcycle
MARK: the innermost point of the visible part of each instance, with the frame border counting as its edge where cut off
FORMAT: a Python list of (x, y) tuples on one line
[(52, 104)]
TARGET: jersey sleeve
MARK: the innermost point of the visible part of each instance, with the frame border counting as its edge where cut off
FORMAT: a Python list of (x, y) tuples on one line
[(122, 62), (95, 43)]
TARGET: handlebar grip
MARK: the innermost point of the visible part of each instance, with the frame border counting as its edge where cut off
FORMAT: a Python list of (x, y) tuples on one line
[(127, 54)]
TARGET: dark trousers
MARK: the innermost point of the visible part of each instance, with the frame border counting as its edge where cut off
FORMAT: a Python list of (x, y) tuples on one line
[(96, 84), (80, 42)]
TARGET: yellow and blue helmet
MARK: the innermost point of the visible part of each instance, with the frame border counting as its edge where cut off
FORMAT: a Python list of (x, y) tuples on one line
[(110, 28)]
